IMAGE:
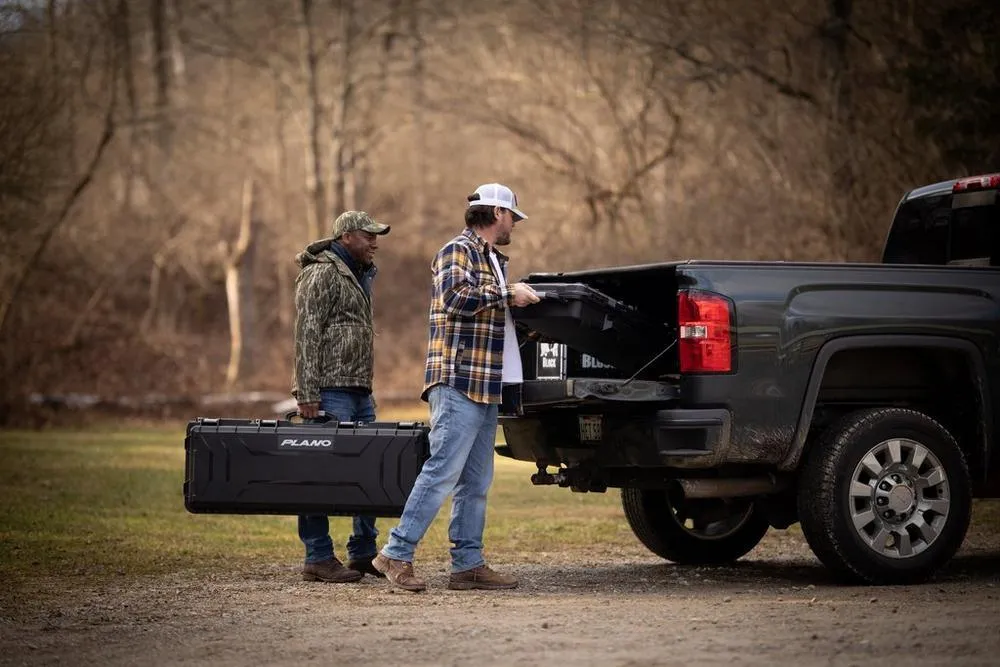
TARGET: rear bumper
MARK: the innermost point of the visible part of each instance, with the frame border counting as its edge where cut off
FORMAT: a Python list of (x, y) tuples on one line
[(693, 433), (675, 437)]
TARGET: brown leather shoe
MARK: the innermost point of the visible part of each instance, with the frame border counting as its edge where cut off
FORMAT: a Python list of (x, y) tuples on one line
[(331, 571), (481, 577), (399, 572), (364, 566)]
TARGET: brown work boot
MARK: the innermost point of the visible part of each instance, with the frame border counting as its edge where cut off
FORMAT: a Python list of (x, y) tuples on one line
[(481, 577), (364, 566), (331, 571), (399, 572)]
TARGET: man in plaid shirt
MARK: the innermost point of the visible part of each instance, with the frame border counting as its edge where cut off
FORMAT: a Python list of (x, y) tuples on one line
[(472, 352)]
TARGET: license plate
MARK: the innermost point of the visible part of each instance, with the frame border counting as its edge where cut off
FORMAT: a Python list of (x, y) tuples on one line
[(590, 428)]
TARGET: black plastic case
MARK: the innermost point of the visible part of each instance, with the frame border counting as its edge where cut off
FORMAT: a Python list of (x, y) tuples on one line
[(241, 466), (591, 322)]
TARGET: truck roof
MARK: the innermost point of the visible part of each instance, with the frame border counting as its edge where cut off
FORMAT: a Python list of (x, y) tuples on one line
[(942, 188), (955, 185)]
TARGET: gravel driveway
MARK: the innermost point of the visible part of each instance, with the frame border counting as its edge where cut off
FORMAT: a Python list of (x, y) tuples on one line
[(625, 608)]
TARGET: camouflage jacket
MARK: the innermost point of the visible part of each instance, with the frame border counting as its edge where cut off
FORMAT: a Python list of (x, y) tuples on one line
[(465, 346), (334, 330)]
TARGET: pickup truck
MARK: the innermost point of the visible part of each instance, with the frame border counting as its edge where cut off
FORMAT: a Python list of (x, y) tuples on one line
[(724, 398)]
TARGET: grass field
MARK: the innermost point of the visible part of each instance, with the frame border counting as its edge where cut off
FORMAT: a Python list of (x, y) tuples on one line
[(98, 504), (103, 504)]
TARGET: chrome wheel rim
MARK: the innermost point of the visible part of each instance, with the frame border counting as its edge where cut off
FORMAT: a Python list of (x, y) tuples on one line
[(899, 498)]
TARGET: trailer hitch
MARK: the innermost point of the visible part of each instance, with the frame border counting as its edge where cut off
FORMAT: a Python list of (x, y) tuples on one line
[(575, 479)]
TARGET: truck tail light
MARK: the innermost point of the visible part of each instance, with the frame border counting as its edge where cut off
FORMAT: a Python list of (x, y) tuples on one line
[(987, 182), (705, 332)]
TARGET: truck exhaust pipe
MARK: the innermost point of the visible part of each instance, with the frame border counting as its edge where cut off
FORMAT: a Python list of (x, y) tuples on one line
[(731, 488)]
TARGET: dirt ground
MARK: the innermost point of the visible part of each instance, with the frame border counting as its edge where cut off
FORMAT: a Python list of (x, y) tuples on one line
[(628, 608)]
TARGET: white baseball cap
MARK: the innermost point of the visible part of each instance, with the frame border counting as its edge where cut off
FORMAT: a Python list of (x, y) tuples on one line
[(495, 194)]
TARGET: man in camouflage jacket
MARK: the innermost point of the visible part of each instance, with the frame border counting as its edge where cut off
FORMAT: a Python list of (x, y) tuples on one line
[(334, 361)]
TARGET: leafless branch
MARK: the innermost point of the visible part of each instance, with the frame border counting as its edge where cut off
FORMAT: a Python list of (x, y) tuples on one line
[(79, 188)]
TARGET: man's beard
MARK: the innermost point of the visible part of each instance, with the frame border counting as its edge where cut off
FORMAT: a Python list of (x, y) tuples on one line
[(503, 239), (363, 260)]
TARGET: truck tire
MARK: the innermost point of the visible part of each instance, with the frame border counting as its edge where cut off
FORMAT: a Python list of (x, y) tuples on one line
[(693, 532), (884, 497)]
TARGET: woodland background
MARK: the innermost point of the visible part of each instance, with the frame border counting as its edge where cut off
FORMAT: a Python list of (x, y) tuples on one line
[(162, 161)]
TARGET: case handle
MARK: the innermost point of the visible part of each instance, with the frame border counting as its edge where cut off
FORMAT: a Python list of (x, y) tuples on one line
[(547, 294), (321, 416)]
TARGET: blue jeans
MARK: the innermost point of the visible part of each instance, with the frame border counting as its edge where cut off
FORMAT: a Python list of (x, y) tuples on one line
[(462, 437), (314, 529)]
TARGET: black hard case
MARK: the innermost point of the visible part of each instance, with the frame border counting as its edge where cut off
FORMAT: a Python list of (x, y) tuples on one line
[(240, 466), (590, 321)]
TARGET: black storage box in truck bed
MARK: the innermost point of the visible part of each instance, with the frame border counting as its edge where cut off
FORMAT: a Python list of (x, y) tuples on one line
[(589, 321)]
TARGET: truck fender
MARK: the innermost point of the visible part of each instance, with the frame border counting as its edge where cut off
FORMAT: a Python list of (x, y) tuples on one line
[(836, 345)]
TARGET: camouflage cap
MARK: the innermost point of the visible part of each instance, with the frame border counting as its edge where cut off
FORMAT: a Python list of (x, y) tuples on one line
[(352, 221)]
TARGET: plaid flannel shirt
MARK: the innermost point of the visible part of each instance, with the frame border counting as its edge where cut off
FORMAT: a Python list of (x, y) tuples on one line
[(465, 346)]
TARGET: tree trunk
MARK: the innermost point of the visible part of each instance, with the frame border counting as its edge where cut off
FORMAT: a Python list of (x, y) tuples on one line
[(362, 143), (349, 180), (315, 196), (53, 42), (178, 61), (419, 178), (238, 265), (161, 73), (155, 291), (281, 162), (340, 157), (130, 178), (76, 72), (839, 135)]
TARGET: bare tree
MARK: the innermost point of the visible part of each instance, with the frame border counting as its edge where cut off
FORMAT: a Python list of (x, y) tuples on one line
[(418, 105), (79, 186), (283, 186), (315, 190), (237, 258), (162, 56), (178, 59), (835, 33), (587, 108), (133, 173)]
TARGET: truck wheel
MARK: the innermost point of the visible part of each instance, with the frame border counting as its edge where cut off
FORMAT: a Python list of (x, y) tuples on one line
[(884, 497), (693, 531)]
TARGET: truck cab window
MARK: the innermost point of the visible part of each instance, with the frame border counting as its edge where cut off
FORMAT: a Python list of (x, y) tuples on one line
[(919, 234), (973, 232), (952, 229)]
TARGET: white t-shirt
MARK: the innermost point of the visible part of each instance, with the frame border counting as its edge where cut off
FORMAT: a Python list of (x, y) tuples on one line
[(512, 371)]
